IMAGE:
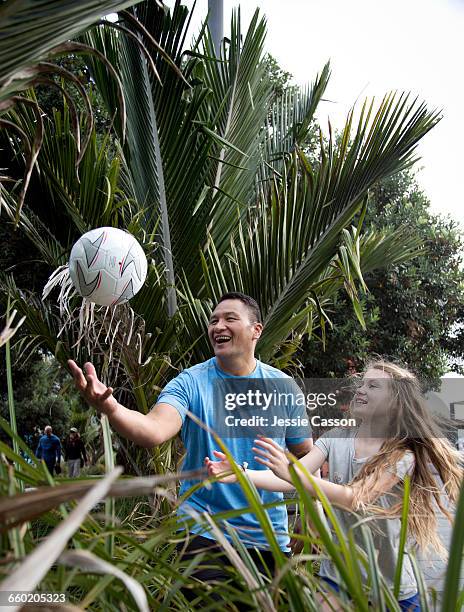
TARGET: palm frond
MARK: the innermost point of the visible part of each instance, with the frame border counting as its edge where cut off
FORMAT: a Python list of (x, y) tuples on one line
[(31, 29), (296, 234), (147, 161), (289, 123), (240, 99), (38, 233), (183, 145), (144, 156)]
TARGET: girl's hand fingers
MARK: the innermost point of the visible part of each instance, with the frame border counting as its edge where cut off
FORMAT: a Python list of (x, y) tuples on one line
[(269, 441), (272, 450), (262, 452), (263, 462)]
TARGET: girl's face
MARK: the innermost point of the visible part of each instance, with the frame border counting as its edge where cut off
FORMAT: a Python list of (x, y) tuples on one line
[(372, 398)]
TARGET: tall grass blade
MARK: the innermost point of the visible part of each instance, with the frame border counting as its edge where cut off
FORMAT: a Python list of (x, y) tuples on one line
[(453, 573), (9, 382), (110, 507), (24, 507), (88, 562), (340, 554), (403, 536), (262, 598), (35, 567), (422, 586)]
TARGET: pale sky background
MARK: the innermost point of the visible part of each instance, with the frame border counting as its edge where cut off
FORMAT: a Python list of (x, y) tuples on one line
[(375, 47)]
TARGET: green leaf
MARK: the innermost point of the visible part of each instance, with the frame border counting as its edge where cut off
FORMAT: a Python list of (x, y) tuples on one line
[(32, 28)]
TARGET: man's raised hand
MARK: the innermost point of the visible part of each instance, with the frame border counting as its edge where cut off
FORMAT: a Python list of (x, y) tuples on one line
[(92, 390)]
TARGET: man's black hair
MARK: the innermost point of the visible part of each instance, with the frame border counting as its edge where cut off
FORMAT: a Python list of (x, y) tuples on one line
[(250, 303)]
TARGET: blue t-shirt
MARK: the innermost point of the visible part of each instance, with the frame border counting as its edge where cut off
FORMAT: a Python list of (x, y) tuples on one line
[(194, 390)]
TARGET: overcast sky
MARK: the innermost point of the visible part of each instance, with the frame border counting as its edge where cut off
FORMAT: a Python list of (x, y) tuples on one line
[(375, 47)]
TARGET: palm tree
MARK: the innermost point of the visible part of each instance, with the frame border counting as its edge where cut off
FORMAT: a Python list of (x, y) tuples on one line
[(211, 175)]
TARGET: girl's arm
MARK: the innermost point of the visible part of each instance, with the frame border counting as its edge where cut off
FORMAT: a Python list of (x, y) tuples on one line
[(274, 457), (265, 479)]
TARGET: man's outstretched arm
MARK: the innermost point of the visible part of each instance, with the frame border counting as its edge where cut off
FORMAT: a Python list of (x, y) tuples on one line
[(147, 430)]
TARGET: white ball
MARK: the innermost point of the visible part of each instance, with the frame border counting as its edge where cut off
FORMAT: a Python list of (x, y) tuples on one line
[(107, 266)]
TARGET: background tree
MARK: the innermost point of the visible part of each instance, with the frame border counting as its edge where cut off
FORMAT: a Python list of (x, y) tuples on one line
[(40, 399), (414, 310), (281, 79)]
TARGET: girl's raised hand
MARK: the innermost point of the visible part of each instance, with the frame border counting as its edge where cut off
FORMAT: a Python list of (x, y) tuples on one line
[(217, 468), (273, 457)]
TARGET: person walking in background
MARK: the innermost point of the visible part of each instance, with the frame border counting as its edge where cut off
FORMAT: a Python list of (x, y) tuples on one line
[(49, 449), (74, 453)]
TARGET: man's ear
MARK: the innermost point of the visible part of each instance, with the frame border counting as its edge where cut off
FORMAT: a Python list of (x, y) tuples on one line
[(258, 330)]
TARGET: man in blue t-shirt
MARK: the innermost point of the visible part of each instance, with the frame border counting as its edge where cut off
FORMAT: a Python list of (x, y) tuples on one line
[(235, 327), (49, 449)]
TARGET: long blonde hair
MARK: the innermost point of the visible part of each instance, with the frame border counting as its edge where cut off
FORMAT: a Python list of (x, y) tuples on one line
[(413, 428)]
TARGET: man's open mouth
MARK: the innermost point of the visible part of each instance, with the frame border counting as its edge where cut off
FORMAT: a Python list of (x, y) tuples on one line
[(222, 339)]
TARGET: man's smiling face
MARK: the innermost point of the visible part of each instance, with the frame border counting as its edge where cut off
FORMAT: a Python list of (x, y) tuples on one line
[(231, 331)]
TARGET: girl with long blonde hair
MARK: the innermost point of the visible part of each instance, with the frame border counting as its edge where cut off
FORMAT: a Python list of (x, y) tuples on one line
[(397, 436)]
